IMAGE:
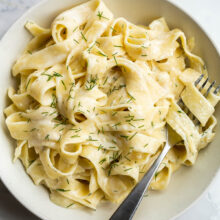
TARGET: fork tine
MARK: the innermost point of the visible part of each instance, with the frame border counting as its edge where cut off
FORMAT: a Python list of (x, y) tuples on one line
[(203, 85), (180, 102), (198, 80), (217, 89), (208, 90)]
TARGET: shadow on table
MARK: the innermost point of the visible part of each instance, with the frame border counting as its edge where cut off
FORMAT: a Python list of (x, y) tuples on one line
[(11, 209)]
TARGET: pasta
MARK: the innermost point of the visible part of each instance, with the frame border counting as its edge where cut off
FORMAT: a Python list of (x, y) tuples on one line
[(94, 96)]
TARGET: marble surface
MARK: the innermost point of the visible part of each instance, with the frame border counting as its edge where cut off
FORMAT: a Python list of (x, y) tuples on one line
[(206, 13)]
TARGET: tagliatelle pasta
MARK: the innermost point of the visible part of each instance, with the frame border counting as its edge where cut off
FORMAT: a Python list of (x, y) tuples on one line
[(94, 96)]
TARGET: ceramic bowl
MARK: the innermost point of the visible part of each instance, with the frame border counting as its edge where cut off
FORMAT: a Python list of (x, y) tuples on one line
[(187, 184)]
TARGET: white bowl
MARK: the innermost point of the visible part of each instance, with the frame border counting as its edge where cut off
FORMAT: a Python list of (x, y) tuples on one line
[(186, 185)]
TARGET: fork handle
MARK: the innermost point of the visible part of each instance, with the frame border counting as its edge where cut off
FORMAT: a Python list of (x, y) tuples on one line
[(128, 207)]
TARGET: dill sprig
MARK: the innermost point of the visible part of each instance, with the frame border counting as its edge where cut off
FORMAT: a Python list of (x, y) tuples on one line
[(75, 136), (100, 147), (90, 139), (27, 84), (47, 137), (106, 79), (113, 29), (63, 84), (114, 113), (102, 54), (132, 136), (179, 111), (54, 101), (102, 161), (62, 190), (90, 48), (55, 74), (115, 58), (91, 82), (76, 41), (127, 169), (70, 205), (145, 145), (75, 29), (131, 98), (71, 89), (116, 125), (100, 15), (124, 136), (115, 159), (83, 37), (111, 90), (155, 176), (30, 162), (130, 118)]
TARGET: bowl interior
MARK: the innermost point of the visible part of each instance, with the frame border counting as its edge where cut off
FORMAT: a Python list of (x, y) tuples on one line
[(187, 183)]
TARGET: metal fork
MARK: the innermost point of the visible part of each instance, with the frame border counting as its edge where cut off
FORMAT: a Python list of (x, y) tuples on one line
[(205, 94), (129, 206)]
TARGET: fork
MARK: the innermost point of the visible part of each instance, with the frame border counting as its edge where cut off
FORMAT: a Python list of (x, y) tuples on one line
[(129, 206)]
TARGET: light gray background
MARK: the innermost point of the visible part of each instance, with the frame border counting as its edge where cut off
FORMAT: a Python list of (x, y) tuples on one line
[(207, 14)]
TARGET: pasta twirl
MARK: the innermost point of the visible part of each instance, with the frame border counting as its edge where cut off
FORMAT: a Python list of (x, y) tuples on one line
[(94, 96)]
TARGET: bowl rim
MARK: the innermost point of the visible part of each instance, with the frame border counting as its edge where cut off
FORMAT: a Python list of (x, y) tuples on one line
[(206, 33)]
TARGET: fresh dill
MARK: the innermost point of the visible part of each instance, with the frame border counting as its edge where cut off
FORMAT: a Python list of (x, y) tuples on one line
[(62, 190), (127, 169), (63, 84), (116, 125), (131, 124), (75, 136), (106, 79), (27, 84), (102, 54), (55, 74), (83, 37), (32, 161), (100, 147), (131, 97), (90, 48), (76, 41), (91, 82), (155, 176), (115, 59), (145, 145), (90, 139), (113, 29), (54, 101), (100, 15), (132, 136), (75, 29), (70, 205), (45, 113), (47, 137), (114, 113), (102, 161), (124, 136)]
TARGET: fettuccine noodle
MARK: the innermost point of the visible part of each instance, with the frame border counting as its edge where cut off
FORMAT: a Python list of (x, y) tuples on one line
[(94, 96)]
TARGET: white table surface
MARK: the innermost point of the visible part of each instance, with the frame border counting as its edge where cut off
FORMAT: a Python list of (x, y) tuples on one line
[(207, 14)]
